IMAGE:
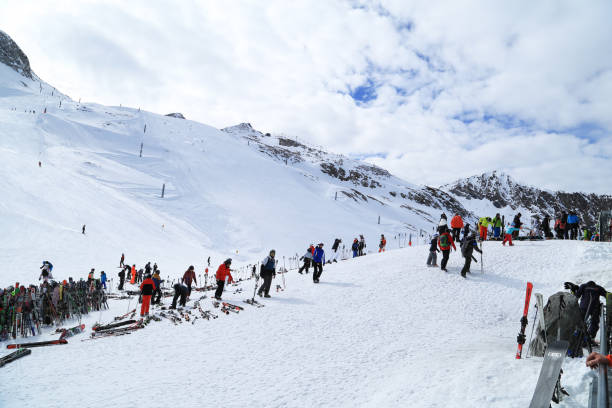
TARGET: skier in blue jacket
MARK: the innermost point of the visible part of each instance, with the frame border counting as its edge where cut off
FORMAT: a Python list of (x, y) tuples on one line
[(318, 259), (355, 247)]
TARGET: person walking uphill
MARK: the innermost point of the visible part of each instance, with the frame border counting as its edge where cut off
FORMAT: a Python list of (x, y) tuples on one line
[(146, 290), (467, 248), (456, 225), (267, 272), (445, 241), (188, 277), (223, 272), (318, 259), (383, 243), (307, 260)]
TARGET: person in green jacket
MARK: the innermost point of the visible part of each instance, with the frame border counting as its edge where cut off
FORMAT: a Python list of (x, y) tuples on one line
[(483, 226), (497, 224)]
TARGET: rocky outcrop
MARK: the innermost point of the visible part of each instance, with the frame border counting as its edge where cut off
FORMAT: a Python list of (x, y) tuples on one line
[(176, 115), (12, 56)]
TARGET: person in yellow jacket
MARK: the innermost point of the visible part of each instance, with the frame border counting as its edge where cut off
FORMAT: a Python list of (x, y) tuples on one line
[(483, 226)]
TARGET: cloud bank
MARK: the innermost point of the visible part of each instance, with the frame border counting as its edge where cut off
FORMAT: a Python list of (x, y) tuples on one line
[(432, 92)]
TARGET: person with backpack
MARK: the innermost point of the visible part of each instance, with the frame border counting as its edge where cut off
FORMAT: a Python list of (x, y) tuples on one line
[(267, 272), (157, 293), (432, 259), (318, 259), (445, 242), (383, 243), (146, 290), (355, 247), (223, 272), (497, 225), (307, 260), (508, 237), (456, 225), (468, 246), (337, 242), (362, 245)]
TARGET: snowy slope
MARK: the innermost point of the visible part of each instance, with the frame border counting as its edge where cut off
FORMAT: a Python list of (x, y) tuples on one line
[(381, 330), (227, 193)]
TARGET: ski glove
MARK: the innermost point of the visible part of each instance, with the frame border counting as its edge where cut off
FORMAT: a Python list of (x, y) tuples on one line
[(572, 287)]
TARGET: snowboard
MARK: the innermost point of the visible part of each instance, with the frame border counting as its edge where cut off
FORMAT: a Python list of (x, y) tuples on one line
[(14, 356), (37, 344), (549, 374), (521, 336)]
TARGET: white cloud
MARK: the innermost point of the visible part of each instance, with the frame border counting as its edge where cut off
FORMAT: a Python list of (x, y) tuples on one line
[(462, 87)]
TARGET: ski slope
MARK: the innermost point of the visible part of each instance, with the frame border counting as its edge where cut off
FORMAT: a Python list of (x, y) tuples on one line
[(224, 195), (380, 330)]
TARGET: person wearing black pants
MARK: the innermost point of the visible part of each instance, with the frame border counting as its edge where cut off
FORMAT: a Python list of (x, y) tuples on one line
[(445, 241), (181, 291), (469, 245), (307, 259), (267, 272), (121, 279), (318, 259), (222, 273)]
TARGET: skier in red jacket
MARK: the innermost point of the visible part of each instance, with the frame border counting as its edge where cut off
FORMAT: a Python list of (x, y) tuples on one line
[(146, 290), (222, 273)]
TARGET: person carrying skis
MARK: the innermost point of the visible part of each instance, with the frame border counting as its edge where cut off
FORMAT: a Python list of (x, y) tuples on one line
[(432, 259), (362, 245), (188, 277), (146, 290), (121, 279), (337, 242), (355, 247), (180, 291), (483, 226), (589, 294), (318, 259), (267, 272), (103, 279), (383, 243), (497, 225), (468, 246), (157, 293), (508, 236), (456, 225), (307, 260), (445, 242), (223, 272)]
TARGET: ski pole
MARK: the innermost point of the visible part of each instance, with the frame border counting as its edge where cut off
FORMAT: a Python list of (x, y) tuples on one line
[(284, 271), (481, 263)]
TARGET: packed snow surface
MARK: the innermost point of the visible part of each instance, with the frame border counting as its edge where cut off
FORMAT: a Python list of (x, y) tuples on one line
[(381, 330)]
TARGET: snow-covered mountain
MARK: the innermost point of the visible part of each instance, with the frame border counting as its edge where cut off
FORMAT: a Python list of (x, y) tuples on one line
[(503, 194)]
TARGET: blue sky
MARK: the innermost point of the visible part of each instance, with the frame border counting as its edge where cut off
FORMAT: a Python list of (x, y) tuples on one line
[(431, 92)]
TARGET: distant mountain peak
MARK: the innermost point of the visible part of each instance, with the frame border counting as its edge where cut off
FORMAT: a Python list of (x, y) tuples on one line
[(12, 56)]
